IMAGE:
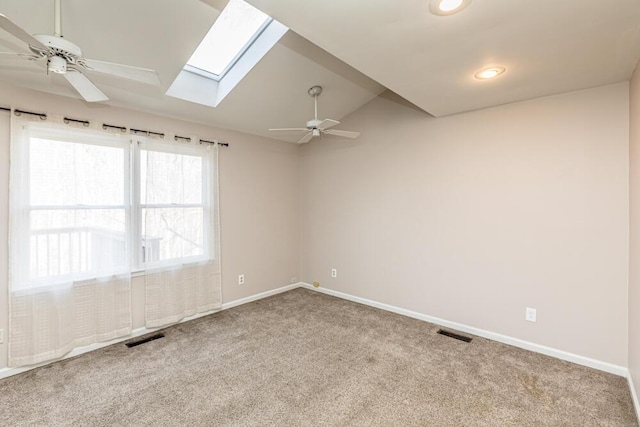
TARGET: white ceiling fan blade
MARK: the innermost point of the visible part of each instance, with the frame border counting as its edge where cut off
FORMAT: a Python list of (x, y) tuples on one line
[(14, 55), (306, 138), (327, 123), (343, 133), (84, 86), (289, 130), (20, 62), (21, 34), (142, 75)]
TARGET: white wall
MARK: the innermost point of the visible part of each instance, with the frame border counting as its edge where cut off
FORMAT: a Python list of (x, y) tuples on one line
[(473, 217), (258, 198), (634, 229)]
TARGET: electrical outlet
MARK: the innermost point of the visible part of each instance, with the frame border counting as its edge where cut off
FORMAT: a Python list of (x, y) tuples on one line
[(530, 314), (1, 336), (241, 279), (294, 280), (334, 272)]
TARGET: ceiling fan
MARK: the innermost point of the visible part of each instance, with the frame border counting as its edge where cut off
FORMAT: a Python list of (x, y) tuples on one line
[(65, 58), (315, 127)]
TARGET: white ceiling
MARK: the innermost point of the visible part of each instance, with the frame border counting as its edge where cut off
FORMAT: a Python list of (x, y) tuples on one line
[(547, 46), (161, 35)]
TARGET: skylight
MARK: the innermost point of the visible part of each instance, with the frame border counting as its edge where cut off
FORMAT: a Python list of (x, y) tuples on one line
[(236, 28), (239, 38)]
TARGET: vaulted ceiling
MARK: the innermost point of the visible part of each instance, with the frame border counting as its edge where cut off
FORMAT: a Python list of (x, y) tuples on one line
[(546, 46), (355, 49)]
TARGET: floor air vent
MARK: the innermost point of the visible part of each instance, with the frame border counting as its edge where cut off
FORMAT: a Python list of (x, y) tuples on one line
[(145, 340), (454, 335)]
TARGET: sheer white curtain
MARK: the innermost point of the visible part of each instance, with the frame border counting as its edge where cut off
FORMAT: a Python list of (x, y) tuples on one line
[(178, 196), (69, 268)]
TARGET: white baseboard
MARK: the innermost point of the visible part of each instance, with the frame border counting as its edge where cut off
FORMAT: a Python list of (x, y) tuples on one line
[(634, 395), (7, 372), (559, 354), (231, 304), (581, 360)]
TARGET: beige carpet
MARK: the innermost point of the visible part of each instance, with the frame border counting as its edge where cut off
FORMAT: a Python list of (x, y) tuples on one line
[(303, 358)]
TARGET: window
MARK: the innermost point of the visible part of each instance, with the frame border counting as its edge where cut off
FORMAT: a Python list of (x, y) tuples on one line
[(173, 204), (92, 196), (239, 38), (236, 28), (77, 208)]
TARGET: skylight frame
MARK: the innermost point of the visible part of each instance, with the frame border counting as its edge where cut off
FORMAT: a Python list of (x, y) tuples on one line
[(217, 77), (205, 89)]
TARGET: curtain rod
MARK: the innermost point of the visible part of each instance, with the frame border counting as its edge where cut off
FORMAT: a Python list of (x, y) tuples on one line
[(120, 128), (179, 138), (223, 144), (30, 113), (84, 123), (105, 126), (146, 132)]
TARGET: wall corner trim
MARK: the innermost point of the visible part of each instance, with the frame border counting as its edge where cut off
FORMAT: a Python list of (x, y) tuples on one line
[(516, 342)]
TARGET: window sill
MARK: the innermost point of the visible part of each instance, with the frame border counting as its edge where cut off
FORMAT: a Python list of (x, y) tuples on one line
[(137, 273)]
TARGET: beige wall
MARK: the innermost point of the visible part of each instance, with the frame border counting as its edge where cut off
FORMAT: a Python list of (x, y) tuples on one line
[(470, 218), (634, 229), (473, 217), (258, 198)]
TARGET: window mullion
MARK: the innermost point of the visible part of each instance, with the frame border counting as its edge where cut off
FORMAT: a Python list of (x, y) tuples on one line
[(207, 193), (127, 208), (136, 212)]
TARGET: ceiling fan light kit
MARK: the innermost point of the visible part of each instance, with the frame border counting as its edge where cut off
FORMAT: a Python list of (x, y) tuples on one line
[(57, 65), (315, 127), (65, 58)]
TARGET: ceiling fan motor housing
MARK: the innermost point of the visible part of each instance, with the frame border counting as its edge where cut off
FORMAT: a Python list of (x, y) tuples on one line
[(313, 124), (315, 91), (59, 47)]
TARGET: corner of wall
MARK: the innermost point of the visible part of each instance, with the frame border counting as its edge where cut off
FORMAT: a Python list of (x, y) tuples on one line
[(634, 237)]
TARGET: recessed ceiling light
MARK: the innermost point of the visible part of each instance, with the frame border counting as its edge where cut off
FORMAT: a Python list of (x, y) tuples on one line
[(447, 7), (489, 73)]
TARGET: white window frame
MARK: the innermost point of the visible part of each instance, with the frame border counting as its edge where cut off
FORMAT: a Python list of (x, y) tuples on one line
[(217, 77), (132, 206), (139, 144), (84, 138)]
